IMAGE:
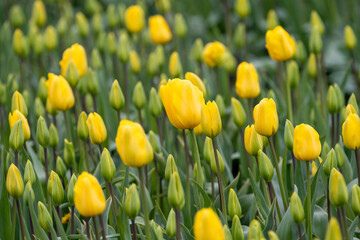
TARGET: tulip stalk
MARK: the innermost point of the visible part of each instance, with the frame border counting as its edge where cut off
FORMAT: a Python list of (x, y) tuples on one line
[(87, 228), (102, 227), (16, 153), (143, 199), (178, 227), (188, 205), (196, 153), (126, 89), (68, 131), (17, 202), (308, 210), (357, 154), (133, 230)]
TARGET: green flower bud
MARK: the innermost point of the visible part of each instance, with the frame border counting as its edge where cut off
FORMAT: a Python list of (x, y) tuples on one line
[(337, 189), (170, 167), (29, 173), (296, 208), (175, 66), (325, 150), (355, 199), (315, 43), (272, 19), (330, 162), (101, 42), (14, 182), (62, 26), (272, 235), (116, 97), (332, 101), (51, 38), (16, 139), (198, 175), (39, 108), (42, 132), (123, 48), (111, 43), (29, 195), (213, 163), (20, 43), (349, 38), (180, 25), (132, 202), (72, 74), (107, 166), (242, 8), (221, 104), (227, 232), (340, 156), (50, 182), (197, 49), (39, 13), (45, 219), (154, 141), (139, 97), (265, 141), (17, 17), (353, 102), (92, 7), (317, 23), (121, 13), (18, 103), (42, 90), (89, 103), (69, 153), (255, 231), (155, 105), (333, 230), (265, 166), (2, 94), (340, 96), (234, 207), (112, 16), (53, 136), (176, 192), (135, 62), (82, 24), (171, 224), (96, 61), (70, 190), (300, 52), (157, 230), (312, 66), (208, 150), (152, 64), (82, 85), (41, 154), (60, 167), (240, 36), (292, 74), (97, 23), (238, 113), (237, 231), (160, 55), (57, 191), (38, 44), (289, 134), (92, 82)]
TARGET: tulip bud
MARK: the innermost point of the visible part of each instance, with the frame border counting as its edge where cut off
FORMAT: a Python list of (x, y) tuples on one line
[(234, 207), (296, 208), (240, 35), (112, 16), (332, 101), (82, 128), (135, 62), (355, 199), (123, 48), (155, 105), (272, 19), (38, 44), (62, 26), (39, 108), (242, 8), (315, 43), (252, 140), (180, 25), (255, 231), (176, 192), (340, 96), (333, 231), (289, 134), (349, 38), (41, 154), (152, 64), (213, 163), (197, 49), (340, 156), (170, 167), (29, 195), (39, 13), (29, 173), (300, 52), (132, 202), (219, 100), (111, 43), (14, 182), (265, 166), (72, 74), (20, 43), (50, 182), (18, 103), (2, 94), (227, 233), (107, 166), (171, 224), (325, 150), (272, 235), (330, 162), (312, 66), (96, 61), (17, 17), (16, 139), (116, 97), (317, 23), (154, 141), (57, 190), (237, 231), (353, 102), (337, 189), (82, 24), (292, 74), (51, 38), (69, 153), (139, 97), (53, 136), (238, 113), (70, 190), (92, 82), (175, 66), (157, 230), (45, 219), (60, 167), (163, 5), (42, 132)]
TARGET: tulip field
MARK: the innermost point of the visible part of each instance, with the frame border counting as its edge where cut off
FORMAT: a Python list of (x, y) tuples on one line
[(166, 119)]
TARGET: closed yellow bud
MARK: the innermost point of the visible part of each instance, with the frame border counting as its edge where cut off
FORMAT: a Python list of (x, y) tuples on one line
[(312, 70), (18, 103), (255, 231), (60, 94), (76, 54), (97, 129), (132, 144), (82, 24), (266, 118), (135, 62), (247, 82), (242, 8), (116, 97), (182, 102), (210, 119), (207, 225), (20, 43), (213, 53), (16, 116), (14, 182), (88, 196), (317, 23), (252, 140), (238, 113), (175, 66), (307, 144), (338, 191), (134, 19), (51, 38), (350, 132), (159, 30), (272, 19), (333, 231), (349, 38), (196, 80), (234, 207), (279, 44), (39, 13)]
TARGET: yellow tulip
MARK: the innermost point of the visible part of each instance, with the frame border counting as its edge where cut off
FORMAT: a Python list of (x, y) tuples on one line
[(210, 119), (266, 118), (213, 53), (314, 166), (14, 182), (159, 30), (16, 116), (76, 54), (97, 129), (307, 144), (196, 80), (350, 132), (198, 130), (132, 144), (60, 94), (182, 102), (252, 140), (279, 44), (349, 110), (134, 19), (39, 13), (88, 196), (135, 62), (247, 82), (207, 225)]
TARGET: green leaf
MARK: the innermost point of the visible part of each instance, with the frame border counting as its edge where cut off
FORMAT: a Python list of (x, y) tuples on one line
[(285, 227), (59, 225), (5, 230), (260, 200), (39, 232), (207, 200)]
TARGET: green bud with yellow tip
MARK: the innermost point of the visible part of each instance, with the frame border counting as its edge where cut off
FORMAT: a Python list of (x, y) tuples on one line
[(227, 232), (18, 103), (62, 26), (333, 231), (82, 24), (29, 195), (57, 190), (96, 61), (50, 182), (51, 38), (221, 104), (180, 25), (89, 102), (352, 100), (234, 207), (349, 38), (132, 202), (242, 8), (42, 132), (42, 90), (238, 113), (135, 62), (111, 43), (176, 192), (16, 139), (213, 163), (116, 98), (39, 13), (20, 43), (170, 167), (157, 230), (355, 199), (292, 74), (70, 189), (311, 66), (163, 6), (332, 101), (197, 49), (175, 66), (53, 136), (296, 208), (208, 150), (255, 231), (289, 134), (240, 35), (272, 19), (237, 231), (123, 48), (272, 235), (107, 166), (139, 97), (300, 52), (171, 224), (315, 43), (69, 153), (330, 162), (340, 96), (265, 166), (14, 182), (60, 167), (160, 55), (154, 141), (92, 82), (29, 173), (155, 105), (44, 217), (337, 189), (317, 23), (340, 156), (72, 74), (39, 107), (16, 15)]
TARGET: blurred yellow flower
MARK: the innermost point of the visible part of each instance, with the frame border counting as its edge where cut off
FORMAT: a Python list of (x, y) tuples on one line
[(213, 53), (247, 83), (279, 44), (134, 19), (60, 94), (207, 225), (76, 54), (159, 29)]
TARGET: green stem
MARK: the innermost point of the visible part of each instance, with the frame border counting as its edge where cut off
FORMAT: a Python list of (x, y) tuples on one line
[(188, 197), (20, 219), (102, 227), (357, 154), (66, 120), (197, 156), (308, 210), (87, 163), (178, 227), (143, 198), (289, 102)]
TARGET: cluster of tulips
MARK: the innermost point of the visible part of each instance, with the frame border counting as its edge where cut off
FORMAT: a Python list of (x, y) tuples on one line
[(161, 154)]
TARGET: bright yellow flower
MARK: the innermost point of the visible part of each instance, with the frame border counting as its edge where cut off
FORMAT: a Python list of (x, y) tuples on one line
[(213, 53), (314, 166), (65, 218), (207, 225), (88, 196), (338, 192), (14, 182), (132, 144), (266, 118), (307, 144), (279, 44), (350, 132), (134, 19), (210, 119), (182, 102), (196, 80), (60, 94), (252, 140), (159, 30), (76, 54), (198, 130), (247, 82), (97, 129), (16, 116)]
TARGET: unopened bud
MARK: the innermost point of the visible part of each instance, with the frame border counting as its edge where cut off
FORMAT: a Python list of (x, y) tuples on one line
[(265, 166), (107, 166), (176, 192), (139, 97), (234, 207), (132, 202)]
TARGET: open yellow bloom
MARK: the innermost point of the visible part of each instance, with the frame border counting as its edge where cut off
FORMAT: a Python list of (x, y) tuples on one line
[(16, 116), (252, 140), (279, 44), (132, 144), (196, 80), (307, 144), (266, 118), (210, 119), (159, 30), (88, 196), (134, 19), (76, 54), (247, 82), (207, 225), (97, 129), (60, 94), (213, 53), (182, 102), (350, 131)]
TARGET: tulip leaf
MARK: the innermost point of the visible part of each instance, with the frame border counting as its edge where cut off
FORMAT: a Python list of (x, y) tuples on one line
[(207, 200), (5, 230), (106, 214), (39, 232), (353, 227), (285, 227), (59, 225), (269, 221), (260, 200), (319, 222)]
